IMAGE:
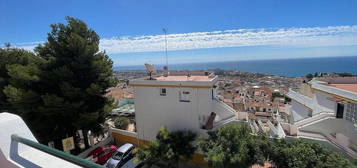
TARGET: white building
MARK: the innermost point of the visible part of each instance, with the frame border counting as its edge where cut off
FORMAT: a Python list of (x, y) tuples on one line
[(179, 103), (329, 113)]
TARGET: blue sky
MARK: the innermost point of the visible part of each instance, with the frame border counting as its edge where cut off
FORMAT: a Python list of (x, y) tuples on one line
[(199, 30)]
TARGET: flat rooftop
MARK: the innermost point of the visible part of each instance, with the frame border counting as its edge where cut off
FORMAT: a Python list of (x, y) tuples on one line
[(347, 87), (184, 78), (205, 81)]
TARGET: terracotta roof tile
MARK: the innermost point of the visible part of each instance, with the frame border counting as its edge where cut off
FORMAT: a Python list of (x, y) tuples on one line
[(348, 87)]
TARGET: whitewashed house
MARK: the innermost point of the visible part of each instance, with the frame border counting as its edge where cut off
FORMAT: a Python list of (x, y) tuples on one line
[(184, 102), (328, 113)]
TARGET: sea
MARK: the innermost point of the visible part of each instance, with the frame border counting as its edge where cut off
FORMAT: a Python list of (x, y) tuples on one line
[(282, 67)]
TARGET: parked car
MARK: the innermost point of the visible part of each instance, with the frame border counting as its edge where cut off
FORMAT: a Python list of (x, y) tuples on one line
[(121, 156), (103, 153)]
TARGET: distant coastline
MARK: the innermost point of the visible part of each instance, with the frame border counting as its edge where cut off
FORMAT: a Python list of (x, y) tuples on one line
[(284, 67)]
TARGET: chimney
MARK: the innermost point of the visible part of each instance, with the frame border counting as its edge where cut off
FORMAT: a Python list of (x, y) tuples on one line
[(166, 71)]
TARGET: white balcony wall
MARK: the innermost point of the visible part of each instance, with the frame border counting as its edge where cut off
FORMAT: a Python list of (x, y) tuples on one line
[(222, 110), (325, 104), (298, 111), (25, 156)]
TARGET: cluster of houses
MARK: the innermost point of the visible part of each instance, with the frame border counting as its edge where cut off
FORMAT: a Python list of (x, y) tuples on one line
[(323, 110)]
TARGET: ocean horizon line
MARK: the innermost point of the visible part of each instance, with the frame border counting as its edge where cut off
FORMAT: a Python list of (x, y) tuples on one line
[(245, 60), (293, 67)]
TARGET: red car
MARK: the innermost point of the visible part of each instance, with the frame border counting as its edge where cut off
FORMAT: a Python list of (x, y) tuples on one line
[(103, 153)]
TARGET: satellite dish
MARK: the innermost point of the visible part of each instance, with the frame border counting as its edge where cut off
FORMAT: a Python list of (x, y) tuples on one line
[(150, 69)]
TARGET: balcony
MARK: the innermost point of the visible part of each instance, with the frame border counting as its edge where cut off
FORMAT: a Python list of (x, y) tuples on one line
[(20, 149), (226, 114), (304, 100)]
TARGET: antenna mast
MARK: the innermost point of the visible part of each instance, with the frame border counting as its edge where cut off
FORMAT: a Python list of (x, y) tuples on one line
[(166, 67)]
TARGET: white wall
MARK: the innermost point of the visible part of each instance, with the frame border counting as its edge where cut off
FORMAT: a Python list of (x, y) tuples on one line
[(152, 111), (299, 111), (25, 156), (330, 126), (327, 105)]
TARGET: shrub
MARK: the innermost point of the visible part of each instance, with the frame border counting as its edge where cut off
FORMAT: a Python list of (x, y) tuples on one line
[(234, 146), (169, 147), (121, 123)]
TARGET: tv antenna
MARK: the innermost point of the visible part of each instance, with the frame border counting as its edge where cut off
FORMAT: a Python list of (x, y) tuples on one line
[(167, 62), (150, 69)]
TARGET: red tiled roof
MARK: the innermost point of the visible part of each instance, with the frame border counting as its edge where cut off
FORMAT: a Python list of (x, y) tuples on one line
[(183, 78), (347, 87)]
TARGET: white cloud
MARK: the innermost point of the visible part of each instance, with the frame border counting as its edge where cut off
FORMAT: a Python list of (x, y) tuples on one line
[(300, 37)]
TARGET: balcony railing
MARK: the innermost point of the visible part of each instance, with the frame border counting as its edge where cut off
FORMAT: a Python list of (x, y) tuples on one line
[(306, 101), (15, 139), (223, 110), (311, 120)]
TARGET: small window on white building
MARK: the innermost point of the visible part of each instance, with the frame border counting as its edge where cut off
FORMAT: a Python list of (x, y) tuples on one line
[(310, 113), (351, 112), (184, 96), (163, 91)]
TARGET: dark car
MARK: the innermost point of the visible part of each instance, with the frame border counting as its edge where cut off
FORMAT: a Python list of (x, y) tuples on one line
[(132, 164)]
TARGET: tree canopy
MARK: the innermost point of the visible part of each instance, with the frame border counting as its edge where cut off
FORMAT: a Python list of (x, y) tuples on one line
[(309, 76), (59, 88), (169, 147), (299, 153), (19, 75), (235, 146), (121, 123)]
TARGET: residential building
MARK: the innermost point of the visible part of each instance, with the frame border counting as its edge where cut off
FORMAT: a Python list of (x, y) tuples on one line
[(179, 103), (328, 112)]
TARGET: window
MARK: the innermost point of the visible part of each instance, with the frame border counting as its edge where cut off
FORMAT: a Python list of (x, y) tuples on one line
[(212, 94), (163, 91), (310, 113), (118, 156), (351, 112), (184, 96)]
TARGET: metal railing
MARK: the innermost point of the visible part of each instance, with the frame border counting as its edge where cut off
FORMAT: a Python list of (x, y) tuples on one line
[(54, 152)]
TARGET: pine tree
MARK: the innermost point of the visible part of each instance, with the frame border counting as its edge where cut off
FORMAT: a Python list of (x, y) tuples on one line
[(19, 74), (58, 89), (77, 76)]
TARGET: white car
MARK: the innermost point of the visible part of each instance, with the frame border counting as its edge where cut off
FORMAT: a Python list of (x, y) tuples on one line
[(121, 156)]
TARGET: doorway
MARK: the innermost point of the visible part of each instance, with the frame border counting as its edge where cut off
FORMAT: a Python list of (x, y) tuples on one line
[(340, 109)]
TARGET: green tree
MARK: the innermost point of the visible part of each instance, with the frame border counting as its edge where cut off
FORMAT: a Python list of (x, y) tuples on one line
[(77, 76), (309, 76), (121, 122), (316, 74), (169, 147), (150, 154), (234, 146), (63, 93), (299, 153), (19, 77)]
